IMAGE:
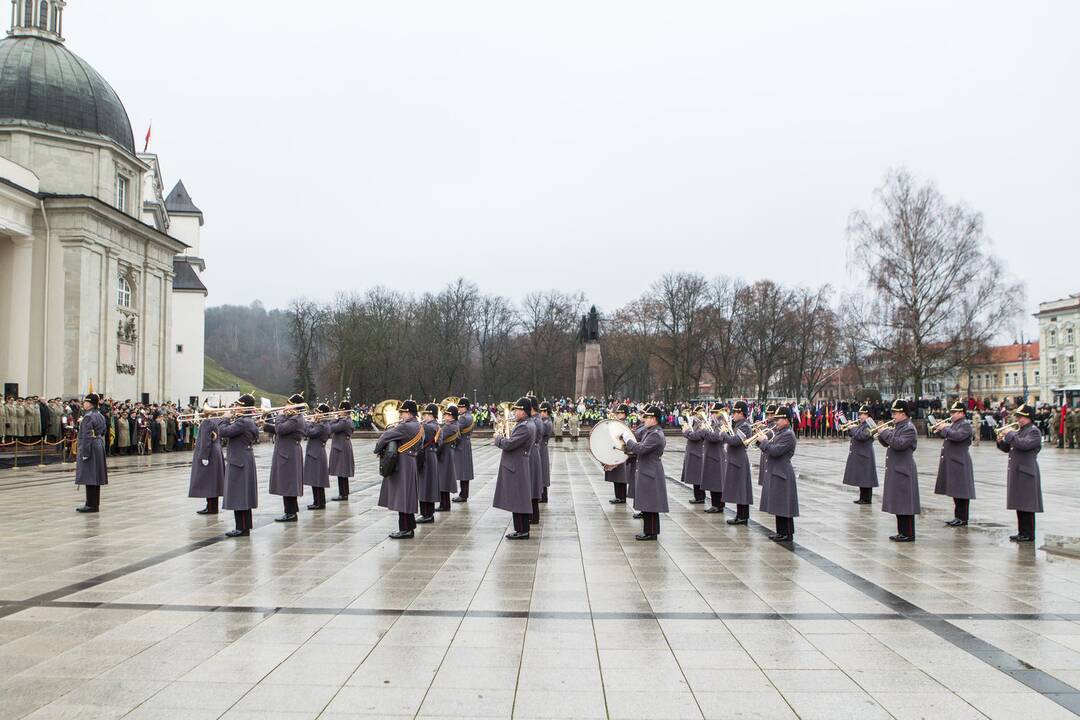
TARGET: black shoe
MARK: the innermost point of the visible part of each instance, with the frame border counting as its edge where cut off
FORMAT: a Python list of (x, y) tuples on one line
[(638, 516), (316, 507), (644, 536), (206, 511), (517, 536), (287, 517), (901, 538), (617, 501), (425, 519), (739, 521), (442, 509), (697, 502), (237, 533), (1018, 538), (86, 509), (542, 502), (712, 509), (862, 502), (956, 522), (401, 534), (340, 498), (778, 537), (458, 498)]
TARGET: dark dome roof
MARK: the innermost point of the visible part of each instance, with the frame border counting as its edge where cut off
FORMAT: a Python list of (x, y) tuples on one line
[(45, 85)]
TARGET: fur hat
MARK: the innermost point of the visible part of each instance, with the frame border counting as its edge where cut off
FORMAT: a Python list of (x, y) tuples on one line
[(463, 402), (741, 407), (246, 400), (900, 406), (523, 403), (408, 406), (451, 410), (623, 408), (431, 409), (545, 407), (864, 409)]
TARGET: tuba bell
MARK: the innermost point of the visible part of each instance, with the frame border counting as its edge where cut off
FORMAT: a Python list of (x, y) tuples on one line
[(505, 423), (386, 414)]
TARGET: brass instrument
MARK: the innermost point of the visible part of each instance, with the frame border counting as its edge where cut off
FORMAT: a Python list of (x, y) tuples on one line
[(332, 415), (1001, 432), (205, 413), (940, 425), (876, 430), (721, 421), (505, 424), (845, 425), (386, 414), (766, 433)]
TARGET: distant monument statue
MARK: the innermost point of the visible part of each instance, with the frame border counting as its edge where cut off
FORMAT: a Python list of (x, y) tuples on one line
[(589, 379)]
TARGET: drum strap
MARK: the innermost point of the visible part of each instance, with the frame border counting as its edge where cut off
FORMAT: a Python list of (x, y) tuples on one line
[(412, 443)]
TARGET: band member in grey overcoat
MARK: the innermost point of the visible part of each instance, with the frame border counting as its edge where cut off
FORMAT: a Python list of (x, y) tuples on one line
[(1024, 481), (738, 484), (398, 491), (448, 462), (631, 467), (241, 480), (694, 455), (617, 474), (545, 456), (465, 472), (536, 468), (780, 494), (287, 465), (956, 475), (342, 463), (90, 470), (861, 468), (650, 491), (513, 486), (712, 466), (207, 467), (316, 466), (427, 489), (901, 494)]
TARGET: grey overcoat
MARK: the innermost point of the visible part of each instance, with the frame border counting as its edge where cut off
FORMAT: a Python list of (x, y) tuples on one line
[(241, 480), (398, 491), (316, 472), (779, 494), (513, 486), (342, 463), (207, 461), (955, 475), (448, 462), (1024, 483), (287, 465), (694, 459), (464, 451), (738, 485), (427, 489), (712, 469), (861, 468), (650, 482), (545, 456), (901, 495), (90, 463), (536, 468)]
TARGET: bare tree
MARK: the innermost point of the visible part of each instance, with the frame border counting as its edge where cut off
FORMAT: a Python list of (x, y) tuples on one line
[(548, 321), (493, 324), (815, 338), (305, 319), (674, 307), (941, 296), (765, 327), (722, 355)]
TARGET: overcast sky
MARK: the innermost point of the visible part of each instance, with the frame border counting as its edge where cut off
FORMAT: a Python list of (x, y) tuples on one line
[(590, 145)]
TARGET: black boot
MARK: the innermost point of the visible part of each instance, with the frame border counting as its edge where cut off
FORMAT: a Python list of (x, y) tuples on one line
[(865, 496), (342, 489), (93, 499), (242, 530), (211, 507), (444, 502), (463, 496), (318, 494)]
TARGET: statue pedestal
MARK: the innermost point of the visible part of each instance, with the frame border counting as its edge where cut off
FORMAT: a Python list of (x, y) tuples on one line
[(590, 371)]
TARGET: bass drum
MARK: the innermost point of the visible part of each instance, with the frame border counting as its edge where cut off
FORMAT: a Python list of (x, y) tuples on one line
[(606, 441)]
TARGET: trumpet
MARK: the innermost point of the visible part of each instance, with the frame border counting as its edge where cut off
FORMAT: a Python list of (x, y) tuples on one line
[(940, 425), (766, 433), (874, 431), (1001, 432)]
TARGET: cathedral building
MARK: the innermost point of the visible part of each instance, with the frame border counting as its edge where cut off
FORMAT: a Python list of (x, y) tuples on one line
[(99, 267)]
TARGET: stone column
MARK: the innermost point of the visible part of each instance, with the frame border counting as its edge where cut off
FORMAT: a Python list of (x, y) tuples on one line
[(22, 269)]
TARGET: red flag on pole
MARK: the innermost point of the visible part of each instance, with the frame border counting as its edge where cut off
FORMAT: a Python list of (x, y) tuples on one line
[(146, 145), (1061, 425)]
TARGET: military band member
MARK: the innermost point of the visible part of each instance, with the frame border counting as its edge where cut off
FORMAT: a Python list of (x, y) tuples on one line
[(207, 466), (617, 474), (465, 471), (316, 466), (712, 466), (342, 463), (901, 495), (631, 466), (650, 484), (287, 465), (536, 469), (1024, 481), (545, 452), (428, 465), (448, 462), (779, 494), (956, 476), (241, 480), (738, 485), (398, 492), (513, 486), (861, 468), (573, 423), (694, 457), (90, 470), (770, 411)]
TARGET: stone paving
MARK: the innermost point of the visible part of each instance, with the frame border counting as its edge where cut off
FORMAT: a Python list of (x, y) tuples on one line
[(147, 611)]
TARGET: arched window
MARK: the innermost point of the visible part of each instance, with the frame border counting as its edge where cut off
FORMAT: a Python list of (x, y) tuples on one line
[(123, 292), (43, 15), (54, 21), (28, 13)]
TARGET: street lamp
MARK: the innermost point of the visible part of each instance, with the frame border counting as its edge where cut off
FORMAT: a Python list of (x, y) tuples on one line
[(1023, 363)]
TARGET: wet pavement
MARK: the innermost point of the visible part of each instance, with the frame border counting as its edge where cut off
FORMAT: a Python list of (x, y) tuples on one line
[(146, 610)]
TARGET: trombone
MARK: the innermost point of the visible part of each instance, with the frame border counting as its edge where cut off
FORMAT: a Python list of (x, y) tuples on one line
[(332, 415)]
